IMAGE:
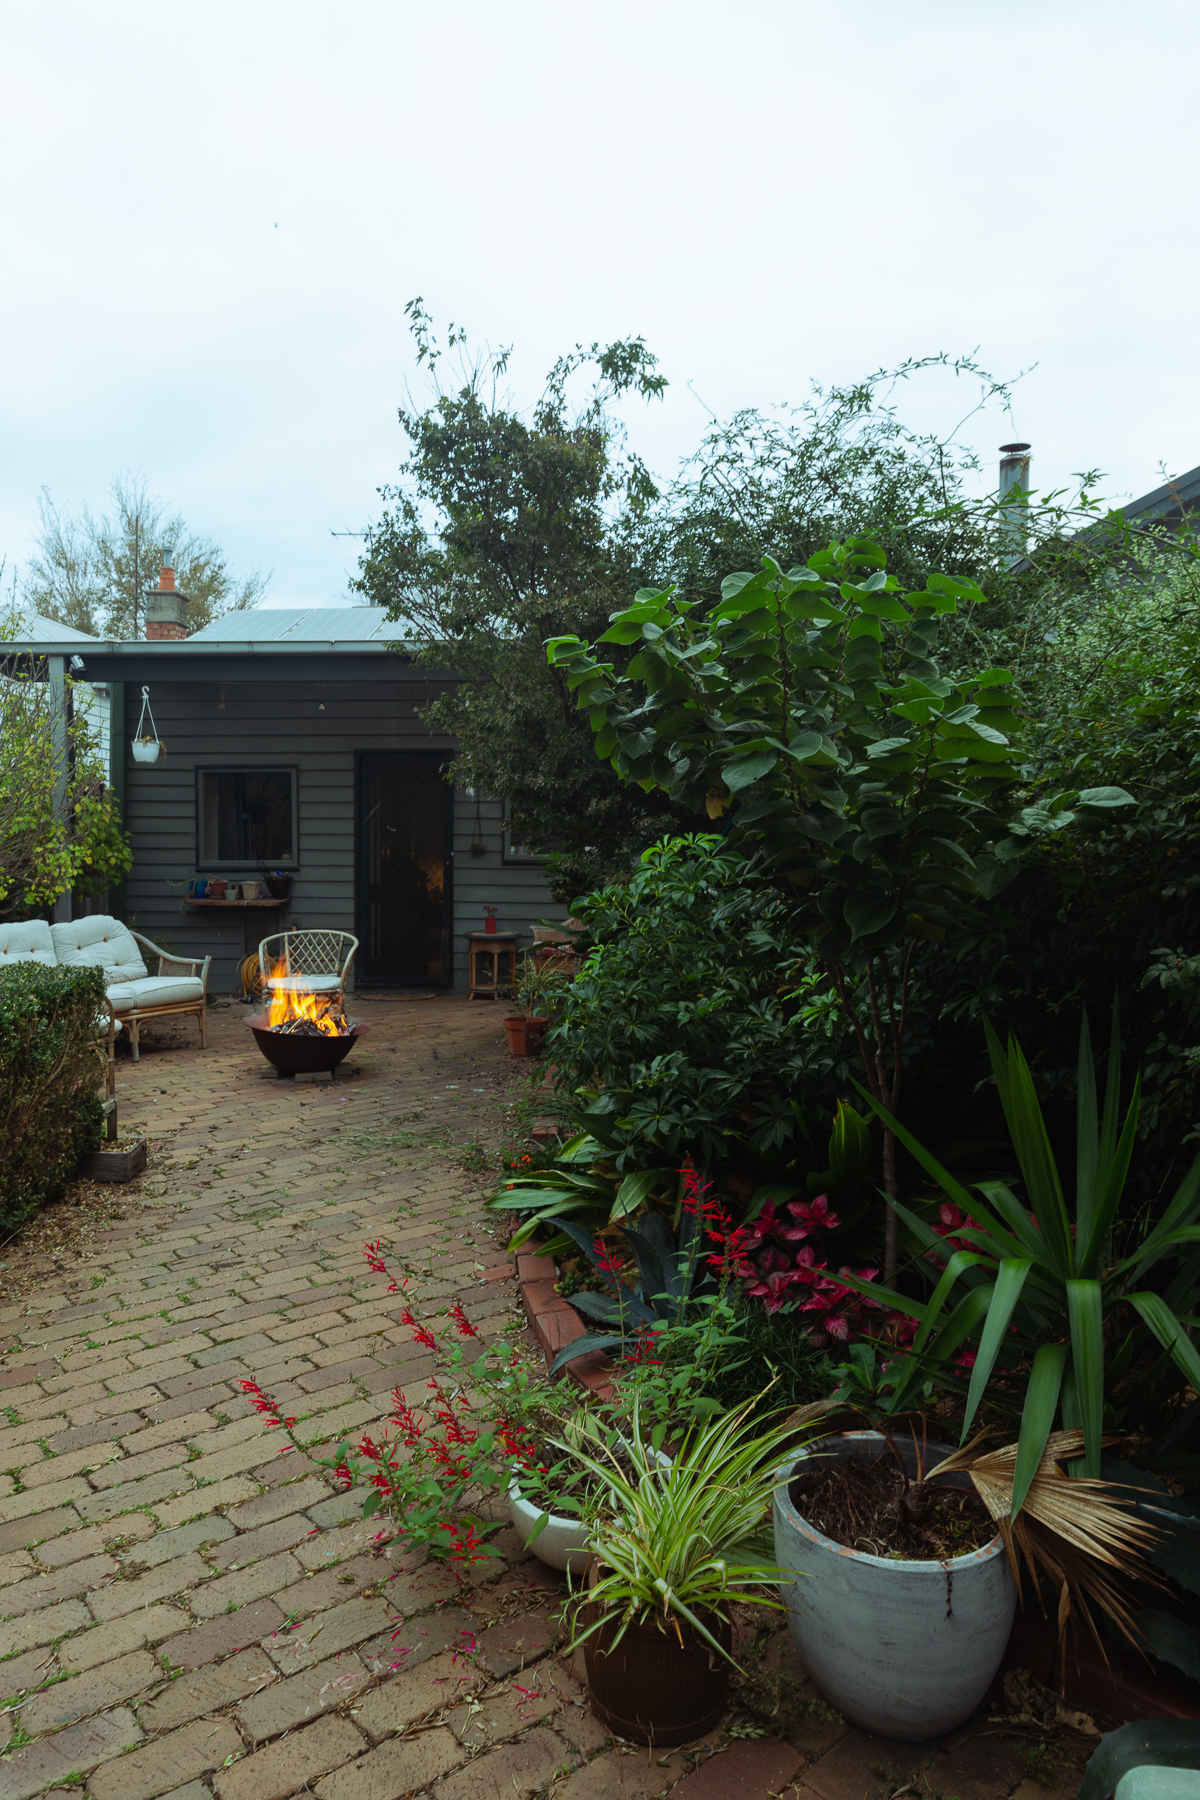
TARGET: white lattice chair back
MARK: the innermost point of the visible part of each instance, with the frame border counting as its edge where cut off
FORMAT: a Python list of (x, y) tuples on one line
[(314, 961)]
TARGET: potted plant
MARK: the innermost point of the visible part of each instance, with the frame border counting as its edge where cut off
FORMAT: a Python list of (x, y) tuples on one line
[(534, 990), (548, 1497), (674, 1545), (1033, 1294), (876, 1597)]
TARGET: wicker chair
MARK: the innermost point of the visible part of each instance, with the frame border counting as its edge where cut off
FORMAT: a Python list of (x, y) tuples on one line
[(315, 962)]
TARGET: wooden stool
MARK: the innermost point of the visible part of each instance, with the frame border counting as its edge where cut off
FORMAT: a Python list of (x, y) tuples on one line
[(493, 950)]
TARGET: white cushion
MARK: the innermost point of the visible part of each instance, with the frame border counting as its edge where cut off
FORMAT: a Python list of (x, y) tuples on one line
[(305, 984), (100, 940), (155, 990), (27, 942)]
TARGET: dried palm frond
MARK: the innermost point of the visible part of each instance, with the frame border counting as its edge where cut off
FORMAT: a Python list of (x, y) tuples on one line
[(1069, 1531)]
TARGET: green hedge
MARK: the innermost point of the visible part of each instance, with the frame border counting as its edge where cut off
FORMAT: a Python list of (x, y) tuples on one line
[(51, 1075)]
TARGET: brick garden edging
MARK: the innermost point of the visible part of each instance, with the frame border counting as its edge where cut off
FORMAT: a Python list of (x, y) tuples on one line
[(554, 1321)]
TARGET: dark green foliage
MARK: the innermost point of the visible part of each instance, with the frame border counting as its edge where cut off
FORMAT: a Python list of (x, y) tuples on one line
[(771, 1345), (788, 481), (502, 531), (698, 1025), (1107, 677), (51, 1068), (670, 1276)]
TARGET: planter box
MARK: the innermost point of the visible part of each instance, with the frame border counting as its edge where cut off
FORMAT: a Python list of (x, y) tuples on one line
[(1128, 1687), (114, 1165)]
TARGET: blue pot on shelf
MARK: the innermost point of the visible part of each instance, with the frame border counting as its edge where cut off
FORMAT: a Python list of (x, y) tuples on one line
[(198, 889)]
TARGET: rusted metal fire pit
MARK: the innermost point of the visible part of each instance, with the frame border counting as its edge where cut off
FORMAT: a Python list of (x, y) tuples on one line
[(304, 1053)]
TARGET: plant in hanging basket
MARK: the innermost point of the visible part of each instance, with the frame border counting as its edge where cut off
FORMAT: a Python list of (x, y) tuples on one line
[(146, 745)]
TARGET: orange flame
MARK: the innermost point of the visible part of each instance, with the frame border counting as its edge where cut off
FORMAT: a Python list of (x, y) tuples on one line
[(288, 1003)]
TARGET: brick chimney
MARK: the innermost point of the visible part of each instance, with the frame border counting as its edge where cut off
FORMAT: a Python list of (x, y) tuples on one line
[(166, 609)]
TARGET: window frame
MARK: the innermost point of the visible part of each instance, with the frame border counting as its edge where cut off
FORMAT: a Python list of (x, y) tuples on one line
[(510, 858), (291, 863)]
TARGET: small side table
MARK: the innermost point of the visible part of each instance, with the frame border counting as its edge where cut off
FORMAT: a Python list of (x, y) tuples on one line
[(491, 963)]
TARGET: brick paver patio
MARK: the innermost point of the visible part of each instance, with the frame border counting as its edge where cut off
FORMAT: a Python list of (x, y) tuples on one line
[(188, 1612)]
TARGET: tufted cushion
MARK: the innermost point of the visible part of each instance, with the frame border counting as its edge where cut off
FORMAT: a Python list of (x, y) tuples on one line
[(29, 942), (100, 940), (304, 984), (155, 990)]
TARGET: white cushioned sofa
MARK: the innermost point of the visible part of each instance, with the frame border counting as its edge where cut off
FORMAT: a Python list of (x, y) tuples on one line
[(133, 993)]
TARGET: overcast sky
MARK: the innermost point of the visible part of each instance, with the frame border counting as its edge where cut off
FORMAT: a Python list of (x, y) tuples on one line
[(212, 218)]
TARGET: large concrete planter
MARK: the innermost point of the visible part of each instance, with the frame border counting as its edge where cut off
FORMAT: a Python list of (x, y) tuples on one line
[(904, 1649)]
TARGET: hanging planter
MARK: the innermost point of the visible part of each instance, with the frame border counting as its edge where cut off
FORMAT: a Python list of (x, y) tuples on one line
[(147, 747), (478, 846)]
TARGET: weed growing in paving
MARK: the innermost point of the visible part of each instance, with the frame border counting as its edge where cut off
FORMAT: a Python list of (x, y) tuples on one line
[(1041, 1762)]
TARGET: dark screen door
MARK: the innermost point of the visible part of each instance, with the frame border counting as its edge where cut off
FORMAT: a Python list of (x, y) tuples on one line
[(405, 824)]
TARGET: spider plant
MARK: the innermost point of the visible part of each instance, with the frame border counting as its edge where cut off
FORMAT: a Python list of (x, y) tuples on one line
[(684, 1540), (1065, 1327)]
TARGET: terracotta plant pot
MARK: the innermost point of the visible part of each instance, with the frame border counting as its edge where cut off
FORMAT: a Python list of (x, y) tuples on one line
[(654, 1689), (216, 889), (525, 1035)]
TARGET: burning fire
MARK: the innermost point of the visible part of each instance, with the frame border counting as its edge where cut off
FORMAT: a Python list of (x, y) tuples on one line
[(303, 1011)]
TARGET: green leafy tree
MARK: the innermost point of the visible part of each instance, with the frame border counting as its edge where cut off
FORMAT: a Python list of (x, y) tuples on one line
[(60, 828), (92, 574), (806, 710), (791, 479), (505, 530)]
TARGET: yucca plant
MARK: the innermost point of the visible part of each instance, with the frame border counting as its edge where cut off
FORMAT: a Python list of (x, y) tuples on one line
[(681, 1541), (1064, 1326)]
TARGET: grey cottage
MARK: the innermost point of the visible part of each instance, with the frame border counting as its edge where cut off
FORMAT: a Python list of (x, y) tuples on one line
[(291, 740)]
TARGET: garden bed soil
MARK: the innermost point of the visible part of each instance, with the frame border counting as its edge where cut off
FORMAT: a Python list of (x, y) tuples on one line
[(871, 1505)]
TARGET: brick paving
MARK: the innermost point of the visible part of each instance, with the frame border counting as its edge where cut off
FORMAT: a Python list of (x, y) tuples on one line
[(187, 1612)]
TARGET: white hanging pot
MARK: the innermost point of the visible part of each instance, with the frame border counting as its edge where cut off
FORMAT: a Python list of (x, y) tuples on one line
[(146, 745)]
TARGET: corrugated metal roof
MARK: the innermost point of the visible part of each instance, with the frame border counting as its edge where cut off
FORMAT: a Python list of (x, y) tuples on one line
[(1174, 497), (32, 628), (300, 625)]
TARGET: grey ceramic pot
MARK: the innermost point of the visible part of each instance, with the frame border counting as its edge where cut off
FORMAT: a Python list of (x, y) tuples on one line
[(904, 1649)]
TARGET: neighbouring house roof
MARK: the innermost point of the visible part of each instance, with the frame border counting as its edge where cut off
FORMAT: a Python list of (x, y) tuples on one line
[(32, 628), (263, 643), (1171, 502), (299, 625)]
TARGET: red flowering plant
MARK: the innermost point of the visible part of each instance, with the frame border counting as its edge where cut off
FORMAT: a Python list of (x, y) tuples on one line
[(667, 1311), (443, 1451), (780, 1267)]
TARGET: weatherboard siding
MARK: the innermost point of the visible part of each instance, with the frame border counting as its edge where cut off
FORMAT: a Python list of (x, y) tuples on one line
[(261, 725)]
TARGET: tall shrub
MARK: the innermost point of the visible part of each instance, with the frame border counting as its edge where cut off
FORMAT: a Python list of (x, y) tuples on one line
[(51, 1067), (698, 1024), (807, 710)]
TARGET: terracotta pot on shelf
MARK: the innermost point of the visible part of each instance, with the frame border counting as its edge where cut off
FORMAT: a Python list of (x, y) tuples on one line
[(654, 1688), (216, 888), (525, 1036)]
